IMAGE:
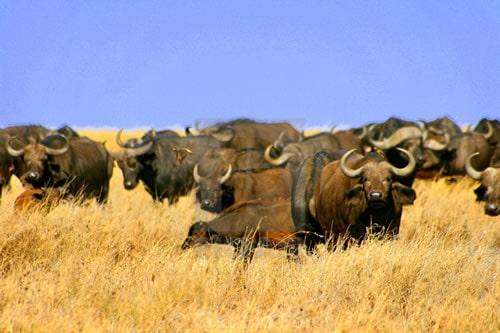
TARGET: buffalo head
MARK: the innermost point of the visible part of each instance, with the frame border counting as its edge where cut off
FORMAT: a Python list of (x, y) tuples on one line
[(210, 190), (199, 233), (129, 162), (36, 156), (376, 183), (408, 137), (489, 190)]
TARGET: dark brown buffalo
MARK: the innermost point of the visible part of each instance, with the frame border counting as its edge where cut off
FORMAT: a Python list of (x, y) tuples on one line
[(463, 145), (293, 153), (489, 190), (357, 194), (10, 165), (164, 164), (437, 134), (242, 185), (485, 126), (82, 166), (147, 137), (246, 226), (42, 200), (398, 133), (245, 133), (214, 169), (21, 135)]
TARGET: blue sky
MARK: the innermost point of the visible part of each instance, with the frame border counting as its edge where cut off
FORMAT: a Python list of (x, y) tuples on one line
[(141, 64)]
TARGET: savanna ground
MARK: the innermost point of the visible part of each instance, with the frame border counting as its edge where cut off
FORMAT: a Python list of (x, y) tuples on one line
[(119, 268)]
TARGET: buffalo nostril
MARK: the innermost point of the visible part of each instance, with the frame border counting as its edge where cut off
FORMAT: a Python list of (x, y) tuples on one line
[(31, 176), (375, 195), (492, 209)]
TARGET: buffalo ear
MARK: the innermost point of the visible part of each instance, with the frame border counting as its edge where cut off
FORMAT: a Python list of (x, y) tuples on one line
[(449, 155), (354, 196), (480, 192), (55, 169), (403, 194)]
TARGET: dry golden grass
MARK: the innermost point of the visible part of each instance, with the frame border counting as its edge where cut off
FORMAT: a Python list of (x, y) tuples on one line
[(120, 268)]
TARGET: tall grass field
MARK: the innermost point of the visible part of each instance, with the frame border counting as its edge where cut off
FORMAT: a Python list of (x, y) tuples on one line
[(120, 268)]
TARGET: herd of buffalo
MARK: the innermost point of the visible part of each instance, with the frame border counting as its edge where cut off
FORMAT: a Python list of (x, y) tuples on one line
[(270, 185)]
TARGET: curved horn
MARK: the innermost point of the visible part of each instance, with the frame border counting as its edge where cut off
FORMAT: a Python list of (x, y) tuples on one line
[(11, 150), (372, 141), (403, 172), (437, 131), (227, 175), (488, 134), (58, 151), (224, 134), (436, 145), (278, 143), (333, 130), (140, 150), (470, 169), (397, 137), (196, 174), (352, 173), (275, 161), (364, 132), (424, 129), (119, 141)]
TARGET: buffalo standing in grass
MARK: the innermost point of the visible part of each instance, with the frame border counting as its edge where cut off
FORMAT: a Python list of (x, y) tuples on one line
[(164, 164), (360, 193), (81, 166)]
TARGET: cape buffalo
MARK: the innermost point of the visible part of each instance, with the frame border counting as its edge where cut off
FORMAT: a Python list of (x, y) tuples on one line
[(398, 133), (461, 146), (241, 185), (293, 153), (246, 226), (214, 169), (489, 190), (81, 166), (164, 164), (360, 193), (246, 133)]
